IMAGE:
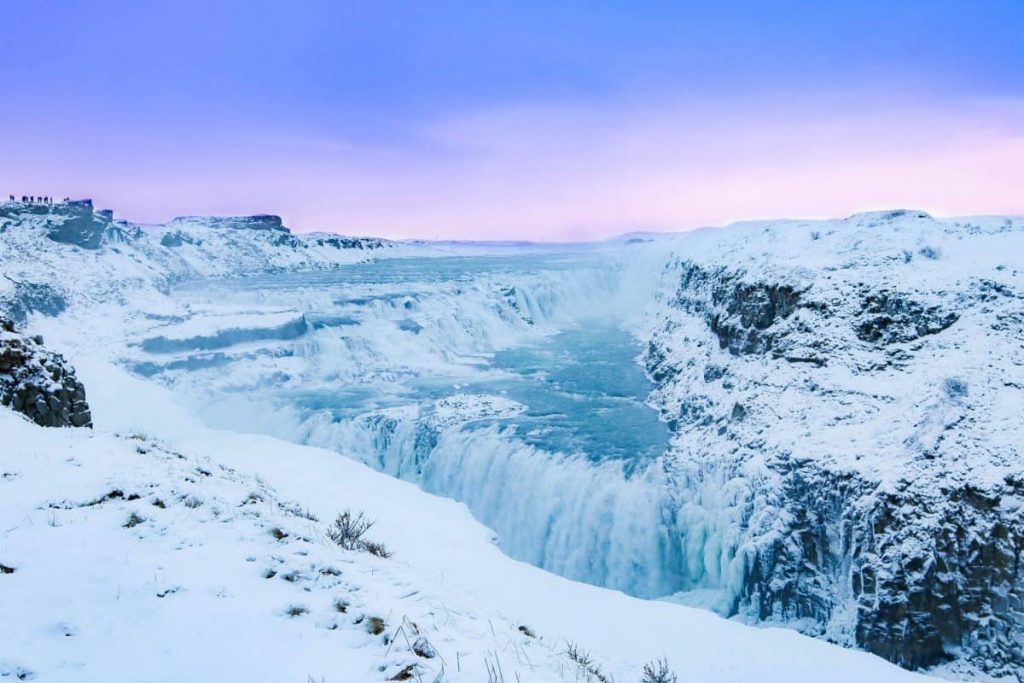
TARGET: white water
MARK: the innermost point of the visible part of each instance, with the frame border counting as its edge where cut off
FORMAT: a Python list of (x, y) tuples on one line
[(508, 382)]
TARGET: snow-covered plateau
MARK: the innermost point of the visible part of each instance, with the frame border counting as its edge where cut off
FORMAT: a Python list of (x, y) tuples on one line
[(576, 455)]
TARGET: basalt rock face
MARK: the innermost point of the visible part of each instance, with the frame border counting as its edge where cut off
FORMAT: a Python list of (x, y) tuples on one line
[(76, 223), (846, 427), (70, 222), (261, 222), (341, 242), (39, 383), (888, 318), (919, 575), (747, 317), (176, 239), (31, 297)]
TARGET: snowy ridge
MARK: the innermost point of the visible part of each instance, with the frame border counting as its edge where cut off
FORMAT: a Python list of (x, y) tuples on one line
[(74, 253)]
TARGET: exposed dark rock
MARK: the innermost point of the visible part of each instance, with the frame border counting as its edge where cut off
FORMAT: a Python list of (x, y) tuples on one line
[(39, 383), (175, 239), (742, 314), (263, 222), (657, 365), (74, 222), (286, 239), (32, 297), (891, 318), (922, 570), (933, 573), (339, 242), (713, 372)]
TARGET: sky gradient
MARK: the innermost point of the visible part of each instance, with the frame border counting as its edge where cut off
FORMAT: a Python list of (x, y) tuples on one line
[(526, 120)]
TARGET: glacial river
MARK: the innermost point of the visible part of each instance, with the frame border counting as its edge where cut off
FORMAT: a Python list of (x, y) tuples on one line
[(507, 381)]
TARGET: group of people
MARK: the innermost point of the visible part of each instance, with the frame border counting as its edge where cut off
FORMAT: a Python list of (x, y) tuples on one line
[(32, 199)]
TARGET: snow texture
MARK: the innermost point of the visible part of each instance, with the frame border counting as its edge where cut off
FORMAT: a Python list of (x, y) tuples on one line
[(843, 453)]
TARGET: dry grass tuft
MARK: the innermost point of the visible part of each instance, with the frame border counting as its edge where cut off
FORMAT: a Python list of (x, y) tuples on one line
[(348, 531)]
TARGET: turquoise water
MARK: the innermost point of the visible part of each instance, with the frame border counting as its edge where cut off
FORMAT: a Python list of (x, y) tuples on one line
[(564, 482), (584, 394), (583, 390)]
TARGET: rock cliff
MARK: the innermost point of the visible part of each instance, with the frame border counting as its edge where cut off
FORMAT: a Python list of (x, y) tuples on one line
[(39, 383), (846, 400)]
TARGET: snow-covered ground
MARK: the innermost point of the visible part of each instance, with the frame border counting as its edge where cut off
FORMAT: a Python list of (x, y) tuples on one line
[(397, 367), (156, 549)]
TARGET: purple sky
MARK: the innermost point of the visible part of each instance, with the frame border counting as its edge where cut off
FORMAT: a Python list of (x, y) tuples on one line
[(519, 120)]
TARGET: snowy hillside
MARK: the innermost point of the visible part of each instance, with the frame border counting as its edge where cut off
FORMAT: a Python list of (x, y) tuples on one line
[(103, 259), (205, 556), (804, 424)]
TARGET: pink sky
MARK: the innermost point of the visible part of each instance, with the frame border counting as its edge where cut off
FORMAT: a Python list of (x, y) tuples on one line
[(541, 171)]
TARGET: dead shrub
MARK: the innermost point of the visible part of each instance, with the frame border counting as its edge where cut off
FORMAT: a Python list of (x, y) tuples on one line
[(658, 672), (375, 625), (405, 674), (348, 531), (586, 663)]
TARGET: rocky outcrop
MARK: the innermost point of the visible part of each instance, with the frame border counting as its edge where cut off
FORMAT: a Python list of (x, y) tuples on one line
[(177, 238), (889, 318), (749, 316), (71, 222), (918, 574), (39, 383), (31, 297), (260, 222), (847, 435), (739, 312), (76, 223), (340, 242)]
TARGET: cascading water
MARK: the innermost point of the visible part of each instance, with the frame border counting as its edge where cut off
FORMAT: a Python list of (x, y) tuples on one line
[(507, 382)]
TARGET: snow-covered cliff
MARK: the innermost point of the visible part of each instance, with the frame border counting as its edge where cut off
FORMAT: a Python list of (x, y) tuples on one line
[(843, 397), (55, 253), (846, 400), (114, 539)]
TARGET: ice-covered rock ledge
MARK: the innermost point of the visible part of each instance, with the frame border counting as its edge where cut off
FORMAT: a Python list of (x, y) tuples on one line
[(846, 399), (39, 383)]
